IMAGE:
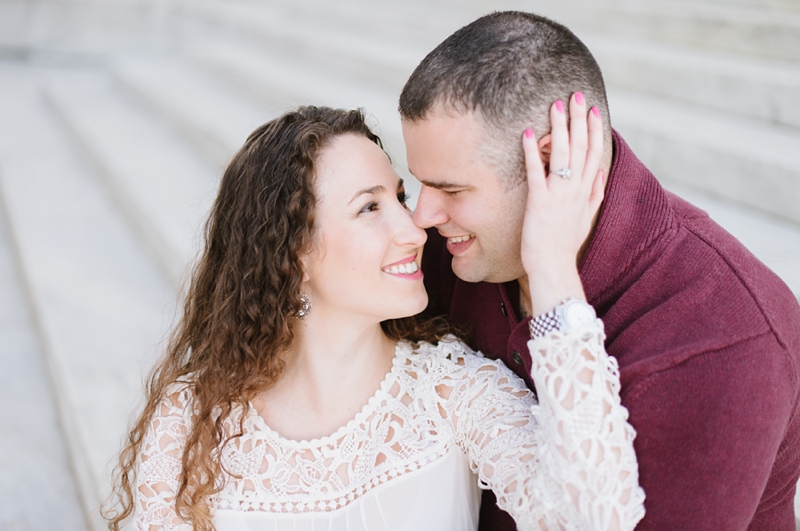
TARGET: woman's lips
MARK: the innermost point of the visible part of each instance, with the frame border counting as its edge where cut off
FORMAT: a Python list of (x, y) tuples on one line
[(458, 244), (406, 268)]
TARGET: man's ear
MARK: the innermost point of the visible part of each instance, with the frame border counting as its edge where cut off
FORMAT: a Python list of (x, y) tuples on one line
[(545, 148)]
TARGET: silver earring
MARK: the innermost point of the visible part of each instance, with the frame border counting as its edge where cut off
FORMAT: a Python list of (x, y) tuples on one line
[(305, 306)]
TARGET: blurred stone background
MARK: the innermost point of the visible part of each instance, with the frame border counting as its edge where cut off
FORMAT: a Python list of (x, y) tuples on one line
[(117, 117)]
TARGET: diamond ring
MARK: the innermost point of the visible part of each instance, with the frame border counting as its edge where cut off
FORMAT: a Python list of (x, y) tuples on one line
[(564, 173)]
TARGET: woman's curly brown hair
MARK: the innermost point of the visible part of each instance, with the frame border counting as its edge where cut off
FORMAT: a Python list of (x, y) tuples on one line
[(242, 301)]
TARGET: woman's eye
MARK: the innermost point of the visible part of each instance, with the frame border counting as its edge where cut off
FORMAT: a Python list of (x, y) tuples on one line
[(372, 206), (403, 198)]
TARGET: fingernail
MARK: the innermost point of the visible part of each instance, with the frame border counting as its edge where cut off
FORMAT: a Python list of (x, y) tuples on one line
[(603, 176), (596, 111), (579, 98), (528, 133), (560, 106)]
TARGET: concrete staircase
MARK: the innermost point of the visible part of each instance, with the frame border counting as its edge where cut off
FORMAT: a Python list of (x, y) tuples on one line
[(116, 121)]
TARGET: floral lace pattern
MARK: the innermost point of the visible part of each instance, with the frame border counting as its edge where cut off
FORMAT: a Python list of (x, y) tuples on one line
[(435, 396), (583, 472)]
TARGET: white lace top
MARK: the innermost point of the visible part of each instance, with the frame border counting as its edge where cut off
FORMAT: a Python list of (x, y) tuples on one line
[(444, 422)]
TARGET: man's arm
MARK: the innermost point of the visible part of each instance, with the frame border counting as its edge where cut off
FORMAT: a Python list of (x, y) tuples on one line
[(708, 432)]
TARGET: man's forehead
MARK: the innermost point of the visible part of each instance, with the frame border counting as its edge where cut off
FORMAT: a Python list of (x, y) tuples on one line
[(448, 111), (447, 147)]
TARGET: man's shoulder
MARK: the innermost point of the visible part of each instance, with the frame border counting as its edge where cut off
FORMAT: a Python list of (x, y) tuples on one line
[(703, 292), (754, 287)]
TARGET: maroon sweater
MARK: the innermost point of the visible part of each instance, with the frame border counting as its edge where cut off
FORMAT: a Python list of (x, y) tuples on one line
[(708, 344)]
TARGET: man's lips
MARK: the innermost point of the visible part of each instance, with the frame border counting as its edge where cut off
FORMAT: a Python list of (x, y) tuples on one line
[(458, 244)]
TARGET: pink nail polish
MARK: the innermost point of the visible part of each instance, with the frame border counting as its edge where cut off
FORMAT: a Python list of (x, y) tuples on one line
[(560, 106), (596, 111), (579, 98), (528, 133)]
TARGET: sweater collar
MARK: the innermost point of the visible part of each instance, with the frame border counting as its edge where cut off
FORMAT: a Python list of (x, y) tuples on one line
[(634, 213)]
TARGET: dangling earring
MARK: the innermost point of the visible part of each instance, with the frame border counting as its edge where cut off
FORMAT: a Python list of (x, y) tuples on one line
[(305, 306)]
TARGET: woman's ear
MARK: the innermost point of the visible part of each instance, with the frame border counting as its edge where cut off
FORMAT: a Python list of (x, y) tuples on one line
[(545, 148), (305, 263), (306, 278)]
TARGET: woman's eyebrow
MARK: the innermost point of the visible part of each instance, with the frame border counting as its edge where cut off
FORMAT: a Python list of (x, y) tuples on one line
[(372, 190)]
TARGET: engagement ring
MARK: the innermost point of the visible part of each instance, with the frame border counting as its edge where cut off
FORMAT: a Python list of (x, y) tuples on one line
[(564, 173)]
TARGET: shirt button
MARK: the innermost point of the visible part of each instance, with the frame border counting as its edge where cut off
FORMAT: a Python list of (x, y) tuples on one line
[(503, 309), (517, 358)]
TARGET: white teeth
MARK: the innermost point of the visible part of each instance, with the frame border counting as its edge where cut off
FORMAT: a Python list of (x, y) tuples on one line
[(459, 239), (402, 269)]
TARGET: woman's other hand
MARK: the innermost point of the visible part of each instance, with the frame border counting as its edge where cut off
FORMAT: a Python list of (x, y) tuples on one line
[(562, 205)]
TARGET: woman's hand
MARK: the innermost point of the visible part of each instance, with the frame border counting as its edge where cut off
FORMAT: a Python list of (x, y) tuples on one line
[(560, 209)]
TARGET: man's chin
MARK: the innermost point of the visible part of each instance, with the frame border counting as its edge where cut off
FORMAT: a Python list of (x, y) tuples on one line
[(470, 271)]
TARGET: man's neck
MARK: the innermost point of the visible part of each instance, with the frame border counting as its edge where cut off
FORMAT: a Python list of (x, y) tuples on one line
[(524, 297)]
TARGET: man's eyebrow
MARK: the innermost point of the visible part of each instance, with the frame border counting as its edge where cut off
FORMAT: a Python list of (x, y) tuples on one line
[(440, 185), (372, 190)]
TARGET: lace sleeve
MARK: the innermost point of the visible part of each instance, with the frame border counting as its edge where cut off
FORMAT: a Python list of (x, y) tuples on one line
[(159, 465), (566, 463)]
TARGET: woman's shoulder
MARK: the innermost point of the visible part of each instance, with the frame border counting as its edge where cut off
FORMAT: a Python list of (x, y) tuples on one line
[(458, 378), (177, 401), (452, 358), (450, 350)]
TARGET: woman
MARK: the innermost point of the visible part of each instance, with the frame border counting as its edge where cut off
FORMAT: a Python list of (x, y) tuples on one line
[(297, 393)]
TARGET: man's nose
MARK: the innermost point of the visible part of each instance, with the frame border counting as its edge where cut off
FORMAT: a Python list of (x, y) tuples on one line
[(429, 211)]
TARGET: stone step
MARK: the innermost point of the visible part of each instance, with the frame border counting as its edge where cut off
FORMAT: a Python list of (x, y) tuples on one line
[(414, 24), (737, 159), (781, 4), (155, 177), (37, 486), (761, 89), (285, 82), (303, 34), (744, 30), (211, 116), (101, 305)]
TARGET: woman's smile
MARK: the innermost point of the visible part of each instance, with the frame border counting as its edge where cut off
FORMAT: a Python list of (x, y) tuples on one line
[(407, 268)]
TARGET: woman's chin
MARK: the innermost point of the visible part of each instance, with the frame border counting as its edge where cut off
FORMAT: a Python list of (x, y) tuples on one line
[(411, 309)]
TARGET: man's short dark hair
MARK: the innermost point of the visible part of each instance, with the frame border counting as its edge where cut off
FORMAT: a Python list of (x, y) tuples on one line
[(510, 67)]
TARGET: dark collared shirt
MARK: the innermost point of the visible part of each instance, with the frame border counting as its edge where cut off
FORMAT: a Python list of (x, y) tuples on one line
[(708, 344)]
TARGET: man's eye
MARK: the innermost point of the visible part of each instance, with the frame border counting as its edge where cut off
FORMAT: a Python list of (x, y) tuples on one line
[(372, 206), (451, 193)]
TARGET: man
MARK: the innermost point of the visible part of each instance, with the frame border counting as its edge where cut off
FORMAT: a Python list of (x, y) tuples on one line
[(707, 338)]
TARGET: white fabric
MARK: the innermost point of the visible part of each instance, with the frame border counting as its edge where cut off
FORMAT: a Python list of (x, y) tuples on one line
[(443, 421)]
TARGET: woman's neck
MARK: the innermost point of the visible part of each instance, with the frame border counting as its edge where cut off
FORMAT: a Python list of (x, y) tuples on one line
[(333, 367)]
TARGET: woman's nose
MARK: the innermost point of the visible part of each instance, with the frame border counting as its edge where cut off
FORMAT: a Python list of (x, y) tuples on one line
[(408, 233)]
